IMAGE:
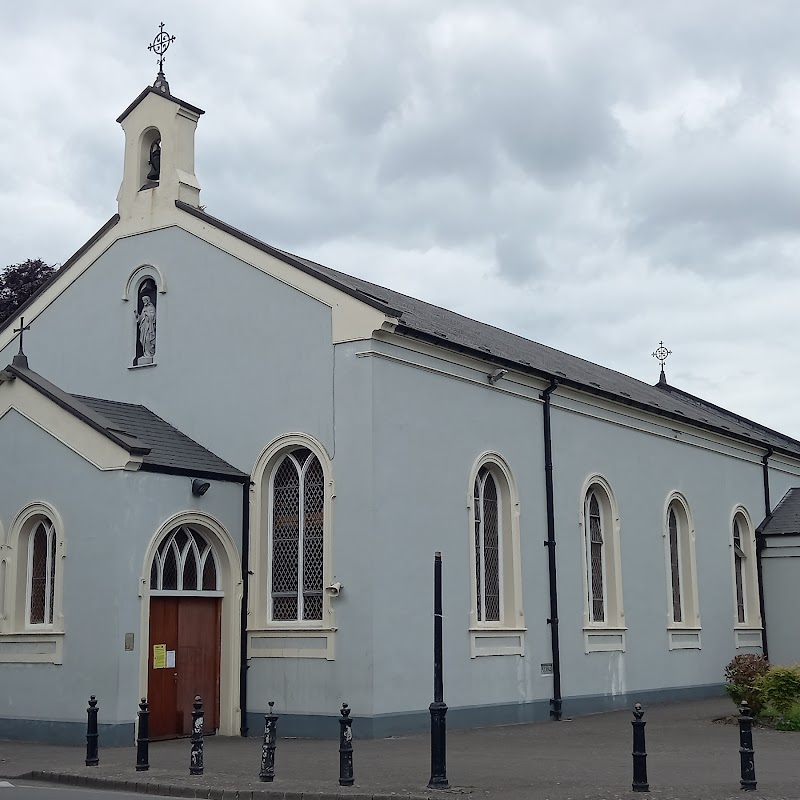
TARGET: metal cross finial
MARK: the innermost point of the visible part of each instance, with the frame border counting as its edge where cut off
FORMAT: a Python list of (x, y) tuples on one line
[(21, 330), (160, 44), (662, 354)]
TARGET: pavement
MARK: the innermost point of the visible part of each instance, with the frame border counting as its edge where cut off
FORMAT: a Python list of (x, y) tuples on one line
[(690, 756)]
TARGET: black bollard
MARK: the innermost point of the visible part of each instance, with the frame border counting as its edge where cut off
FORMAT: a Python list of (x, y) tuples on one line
[(268, 747), (143, 738), (196, 758), (438, 707), (748, 781), (345, 748), (91, 733), (640, 783)]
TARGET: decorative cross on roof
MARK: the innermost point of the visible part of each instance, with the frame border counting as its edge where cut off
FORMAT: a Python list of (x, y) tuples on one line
[(159, 46), (662, 354), (20, 359)]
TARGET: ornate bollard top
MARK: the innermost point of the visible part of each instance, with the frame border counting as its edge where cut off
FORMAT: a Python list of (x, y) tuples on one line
[(638, 711), (198, 703), (143, 704), (345, 710), (92, 702), (745, 710)]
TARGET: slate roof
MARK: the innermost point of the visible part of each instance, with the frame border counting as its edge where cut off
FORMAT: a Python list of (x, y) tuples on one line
[(785, 517), (134, 428), (169, 448), (448, 329)]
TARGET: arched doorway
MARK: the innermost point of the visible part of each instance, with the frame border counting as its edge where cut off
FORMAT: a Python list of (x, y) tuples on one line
[(185, 627)]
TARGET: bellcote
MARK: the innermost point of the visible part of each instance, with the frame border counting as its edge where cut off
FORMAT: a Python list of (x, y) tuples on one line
[(159, 152)]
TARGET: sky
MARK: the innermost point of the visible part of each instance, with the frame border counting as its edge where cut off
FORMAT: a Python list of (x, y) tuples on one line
[(597, 176)]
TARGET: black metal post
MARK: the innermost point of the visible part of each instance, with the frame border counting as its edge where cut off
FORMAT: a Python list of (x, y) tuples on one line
[(91, 733), (438, 707), (268, 747), (345, 748), (748, 781), (196, 758), (640, 783), (143, 738)]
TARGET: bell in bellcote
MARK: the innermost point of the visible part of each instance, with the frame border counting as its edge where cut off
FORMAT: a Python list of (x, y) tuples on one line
[(155, 161)]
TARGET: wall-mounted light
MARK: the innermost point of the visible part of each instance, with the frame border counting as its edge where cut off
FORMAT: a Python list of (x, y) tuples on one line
[(199, 488), (497, 375)]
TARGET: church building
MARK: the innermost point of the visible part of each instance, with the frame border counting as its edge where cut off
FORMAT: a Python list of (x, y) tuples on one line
[(226, 470)]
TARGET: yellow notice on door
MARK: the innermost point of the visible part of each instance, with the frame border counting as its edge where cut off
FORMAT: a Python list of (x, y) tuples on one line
[(159, 656)]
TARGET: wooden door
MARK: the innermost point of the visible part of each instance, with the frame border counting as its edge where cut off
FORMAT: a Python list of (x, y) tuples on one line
[(183, 662)]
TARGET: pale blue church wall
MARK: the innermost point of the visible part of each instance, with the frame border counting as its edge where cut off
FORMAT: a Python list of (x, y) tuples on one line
[(109, 518), (429, 431), (241, 357), (643, 470), (429, 428), (308, 692)]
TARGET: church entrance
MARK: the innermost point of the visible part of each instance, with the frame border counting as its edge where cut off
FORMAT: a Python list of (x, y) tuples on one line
[(184, 633)]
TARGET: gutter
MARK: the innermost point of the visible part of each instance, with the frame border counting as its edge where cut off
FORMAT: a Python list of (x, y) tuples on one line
[(550, 544), (760, 544)]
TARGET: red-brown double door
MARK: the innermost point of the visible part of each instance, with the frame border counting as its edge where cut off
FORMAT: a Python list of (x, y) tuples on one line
[(183, 662)]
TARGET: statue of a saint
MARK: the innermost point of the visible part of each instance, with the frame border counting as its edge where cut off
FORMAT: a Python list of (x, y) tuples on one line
[(146, 320)]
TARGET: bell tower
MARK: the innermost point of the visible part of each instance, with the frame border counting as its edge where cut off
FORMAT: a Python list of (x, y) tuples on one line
[(159, 147)]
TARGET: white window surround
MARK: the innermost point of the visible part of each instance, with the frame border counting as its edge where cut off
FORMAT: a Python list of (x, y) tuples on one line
[(687, 630), (748, 632), (21, 642), (608, 635), (138, 275), (261, 630), (503, 636)]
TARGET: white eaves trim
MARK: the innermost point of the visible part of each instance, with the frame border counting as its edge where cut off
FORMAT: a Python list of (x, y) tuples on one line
[(75, 434)]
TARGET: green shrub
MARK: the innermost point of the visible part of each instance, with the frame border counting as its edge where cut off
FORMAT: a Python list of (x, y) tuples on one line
[(790, 721), (743, 675), (780, 687)]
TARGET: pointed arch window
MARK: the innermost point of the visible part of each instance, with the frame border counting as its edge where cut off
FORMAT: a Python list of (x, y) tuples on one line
[(185, 562), (675, 567), (296, 538), (497, 620), (41, 583), (596, 559), (488, 543), (683, 611), (604, 626)]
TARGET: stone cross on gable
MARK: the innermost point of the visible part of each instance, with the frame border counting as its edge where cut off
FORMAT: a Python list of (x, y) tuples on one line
[(20, 359)]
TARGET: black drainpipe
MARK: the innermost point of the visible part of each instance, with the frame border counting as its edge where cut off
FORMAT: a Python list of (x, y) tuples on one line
[(245, 585), (550, 544), (759, 548)]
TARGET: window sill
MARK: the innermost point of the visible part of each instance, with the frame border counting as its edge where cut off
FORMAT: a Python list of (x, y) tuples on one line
[(604, 640), (291, 643), (748, 637), (32, 647), (142, 366), (684, 637), (500, 641)]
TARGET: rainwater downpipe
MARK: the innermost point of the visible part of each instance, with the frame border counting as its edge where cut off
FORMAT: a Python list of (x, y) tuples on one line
[(759, 548), (245, 586), (550, 544)]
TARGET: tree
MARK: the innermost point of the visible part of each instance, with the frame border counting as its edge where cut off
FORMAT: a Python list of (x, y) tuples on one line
[(18, 282)]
